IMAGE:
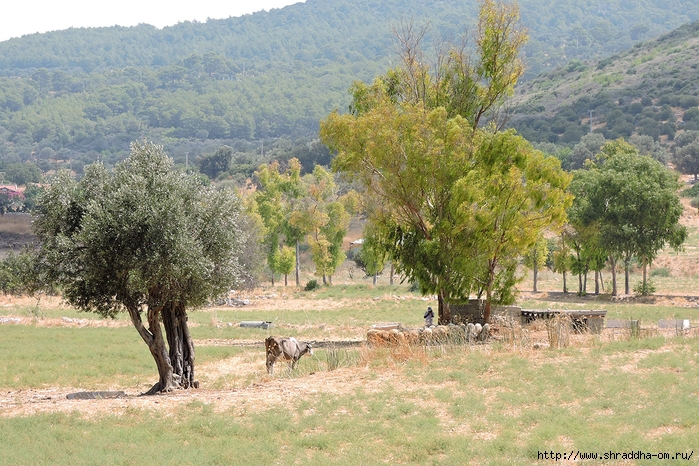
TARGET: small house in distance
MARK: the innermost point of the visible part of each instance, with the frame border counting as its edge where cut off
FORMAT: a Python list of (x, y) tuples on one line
[(12, 193)]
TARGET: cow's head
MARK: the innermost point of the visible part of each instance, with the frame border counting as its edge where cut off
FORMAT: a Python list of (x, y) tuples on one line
[(309, 347)]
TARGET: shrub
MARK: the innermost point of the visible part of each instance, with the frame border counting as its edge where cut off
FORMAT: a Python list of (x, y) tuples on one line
[(688, 101), (644, 290), (691, 192), (558, 330), (636, 108), (661, 272), (691, 114), (312, 285)]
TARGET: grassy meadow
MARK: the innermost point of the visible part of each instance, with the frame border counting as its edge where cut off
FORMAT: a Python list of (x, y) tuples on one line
[(503, 402), (499, 403)]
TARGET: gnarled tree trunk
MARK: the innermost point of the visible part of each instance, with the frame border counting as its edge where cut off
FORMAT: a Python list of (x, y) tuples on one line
[(181, 346), (176, 365)]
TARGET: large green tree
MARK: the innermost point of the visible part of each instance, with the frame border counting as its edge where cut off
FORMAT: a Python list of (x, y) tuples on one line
[(632, 201), (510, 196), (459, 199), (145, 239), (458, 205)]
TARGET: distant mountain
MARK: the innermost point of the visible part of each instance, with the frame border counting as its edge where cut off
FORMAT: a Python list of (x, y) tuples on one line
[(318, 32), (651, 89), (260, 82)]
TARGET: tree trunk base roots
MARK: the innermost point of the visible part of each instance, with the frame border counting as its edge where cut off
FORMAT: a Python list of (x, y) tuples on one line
[(159, 388)]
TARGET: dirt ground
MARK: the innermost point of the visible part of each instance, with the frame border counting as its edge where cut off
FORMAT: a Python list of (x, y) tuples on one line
[(264, 391), (268, 391)]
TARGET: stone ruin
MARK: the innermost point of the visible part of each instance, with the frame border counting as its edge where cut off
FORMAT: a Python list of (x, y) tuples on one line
[(396, 334), (473, 310)]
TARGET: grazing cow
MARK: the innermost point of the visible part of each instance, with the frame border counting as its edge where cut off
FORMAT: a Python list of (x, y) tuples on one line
[(288, 349)]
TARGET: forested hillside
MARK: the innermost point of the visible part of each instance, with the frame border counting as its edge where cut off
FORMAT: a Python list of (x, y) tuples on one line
[(258, 83), (649, 93)]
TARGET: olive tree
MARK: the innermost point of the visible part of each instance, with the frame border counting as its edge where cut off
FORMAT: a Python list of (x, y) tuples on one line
[(145, 239)]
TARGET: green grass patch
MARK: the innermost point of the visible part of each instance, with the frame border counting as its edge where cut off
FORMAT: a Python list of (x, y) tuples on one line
[(690, 192), (660, 272), (41, 310), (448, 405), (35, 357), (445, 404)]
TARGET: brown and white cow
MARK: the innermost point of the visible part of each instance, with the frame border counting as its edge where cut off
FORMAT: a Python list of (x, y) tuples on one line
[(287, 349)]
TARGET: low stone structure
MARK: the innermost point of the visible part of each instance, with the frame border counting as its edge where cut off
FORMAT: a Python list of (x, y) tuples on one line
[(582, 320), (257, 324), (459, 334), (471, 311)]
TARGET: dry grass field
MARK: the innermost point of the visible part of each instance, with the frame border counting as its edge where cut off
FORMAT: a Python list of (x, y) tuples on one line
[(501, 402)]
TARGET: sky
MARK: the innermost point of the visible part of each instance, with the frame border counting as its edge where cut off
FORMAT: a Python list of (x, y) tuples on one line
[(20, 17)]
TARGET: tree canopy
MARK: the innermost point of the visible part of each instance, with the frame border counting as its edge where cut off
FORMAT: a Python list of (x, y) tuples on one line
[(631, 201), (145, 239), (294, 208), (455, 200)]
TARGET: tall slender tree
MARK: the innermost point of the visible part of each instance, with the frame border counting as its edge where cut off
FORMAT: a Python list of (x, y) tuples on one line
[(535, 259), (328, 216), (561, 256)]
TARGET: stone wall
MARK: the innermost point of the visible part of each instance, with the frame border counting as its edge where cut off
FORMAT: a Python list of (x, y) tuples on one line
[(472, 311)]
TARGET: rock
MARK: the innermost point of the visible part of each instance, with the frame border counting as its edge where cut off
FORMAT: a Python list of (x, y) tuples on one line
[(412, 337), (485, 333), (95, 395), (10, 320), (397, 337)]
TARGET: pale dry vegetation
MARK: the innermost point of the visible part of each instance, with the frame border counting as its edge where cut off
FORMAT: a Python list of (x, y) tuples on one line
[(530, 386)]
